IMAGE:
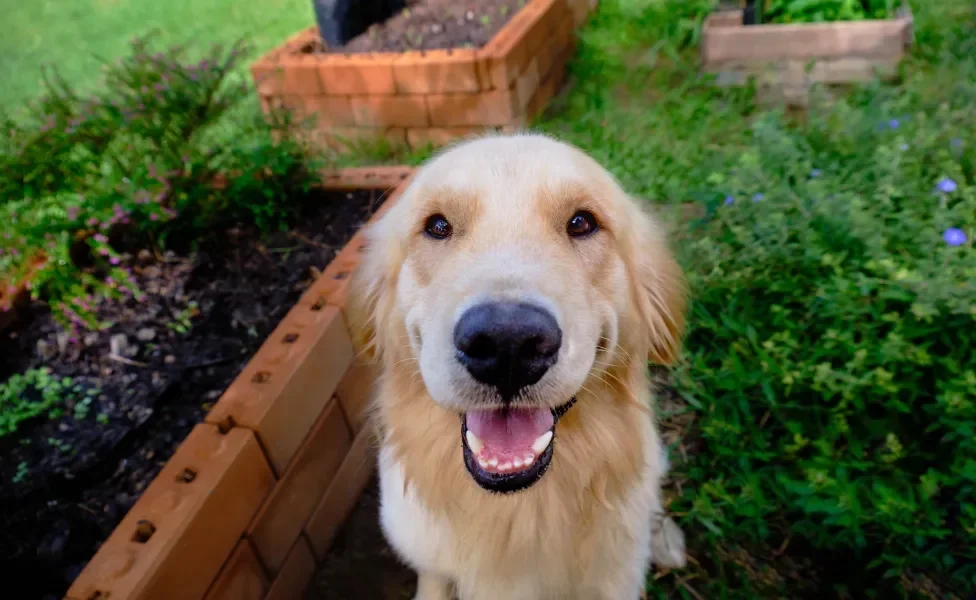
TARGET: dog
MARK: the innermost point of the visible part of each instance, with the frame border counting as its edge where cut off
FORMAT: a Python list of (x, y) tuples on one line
[(511, 300)]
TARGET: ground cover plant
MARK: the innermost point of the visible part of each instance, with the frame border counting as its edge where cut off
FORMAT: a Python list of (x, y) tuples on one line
[(824, 437)]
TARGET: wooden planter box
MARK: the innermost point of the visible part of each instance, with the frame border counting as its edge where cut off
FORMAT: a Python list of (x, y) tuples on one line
[(248, 504), (787, 60), (435, 96)]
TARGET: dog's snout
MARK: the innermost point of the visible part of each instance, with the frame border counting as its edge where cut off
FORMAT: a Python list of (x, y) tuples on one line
[(507, 345)]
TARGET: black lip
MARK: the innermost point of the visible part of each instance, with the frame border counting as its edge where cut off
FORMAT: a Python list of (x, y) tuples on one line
[(507, 483)]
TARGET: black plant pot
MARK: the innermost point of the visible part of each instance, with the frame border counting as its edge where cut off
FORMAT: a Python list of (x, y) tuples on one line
[(341, 20), (752, 14)]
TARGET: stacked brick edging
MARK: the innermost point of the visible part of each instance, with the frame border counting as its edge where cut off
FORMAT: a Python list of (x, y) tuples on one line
[(248, 504), (422, 97), (780, 56)]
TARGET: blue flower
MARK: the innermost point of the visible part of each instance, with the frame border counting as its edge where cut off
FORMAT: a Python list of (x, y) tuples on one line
[(903, 147), (815, 173), (757, 197), (946, 185), (954, 236), (729, 200), (894, 123)]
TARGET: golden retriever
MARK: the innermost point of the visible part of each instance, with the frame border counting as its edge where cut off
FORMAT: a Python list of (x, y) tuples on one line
[(512, 298)]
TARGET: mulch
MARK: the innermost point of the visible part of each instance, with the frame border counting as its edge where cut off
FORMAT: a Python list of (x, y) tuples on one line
[(144, 382), (435, 24), (360, 563)]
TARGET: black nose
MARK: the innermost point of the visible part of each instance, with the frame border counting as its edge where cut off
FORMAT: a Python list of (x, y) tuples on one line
[(507, 345)]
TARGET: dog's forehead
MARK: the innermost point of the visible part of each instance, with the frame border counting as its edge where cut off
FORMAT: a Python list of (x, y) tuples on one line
[(509, 171)]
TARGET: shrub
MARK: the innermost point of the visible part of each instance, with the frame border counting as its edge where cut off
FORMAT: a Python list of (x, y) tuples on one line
[(141, 158), (812, 11), (832, 351)]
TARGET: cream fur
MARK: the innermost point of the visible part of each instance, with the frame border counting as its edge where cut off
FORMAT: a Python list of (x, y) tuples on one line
[(587, 529)]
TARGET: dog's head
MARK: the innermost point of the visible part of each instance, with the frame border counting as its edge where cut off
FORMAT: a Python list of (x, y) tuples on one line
[(513, 270)]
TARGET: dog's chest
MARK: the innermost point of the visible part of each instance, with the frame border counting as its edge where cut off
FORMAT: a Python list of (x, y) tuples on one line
[(476, 539)]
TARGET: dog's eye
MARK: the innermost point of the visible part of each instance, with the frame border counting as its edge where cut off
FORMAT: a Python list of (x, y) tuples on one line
[(437, 227), (582, 224)]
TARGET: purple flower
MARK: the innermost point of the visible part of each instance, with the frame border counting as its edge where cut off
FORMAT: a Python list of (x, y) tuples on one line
[(729, 200), (100, 238), (757, 197), (947, 185), (114, 260), (153, 216), (815, 173), (92, 221), (72, 212), (103, 251), (954, 236)]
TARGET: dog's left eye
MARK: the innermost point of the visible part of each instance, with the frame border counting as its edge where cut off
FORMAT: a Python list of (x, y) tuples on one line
[(437, 227), (582, 224)]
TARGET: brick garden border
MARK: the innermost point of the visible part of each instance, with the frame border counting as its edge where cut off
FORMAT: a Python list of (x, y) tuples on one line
[(788, 59), (247, 506), (422, 97)]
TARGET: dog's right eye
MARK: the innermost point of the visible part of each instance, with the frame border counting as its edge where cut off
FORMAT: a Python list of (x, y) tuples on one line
[(437, 227)]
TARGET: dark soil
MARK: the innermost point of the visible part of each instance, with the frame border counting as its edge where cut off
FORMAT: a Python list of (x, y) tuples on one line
[(360, 563), (435, 24), (66, 482)]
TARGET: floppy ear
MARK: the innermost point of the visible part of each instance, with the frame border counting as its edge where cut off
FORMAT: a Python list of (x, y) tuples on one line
[(659, 289), (370, 301)]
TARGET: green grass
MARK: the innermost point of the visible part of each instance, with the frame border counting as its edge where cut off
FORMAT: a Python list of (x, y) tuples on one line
[(76, 36)]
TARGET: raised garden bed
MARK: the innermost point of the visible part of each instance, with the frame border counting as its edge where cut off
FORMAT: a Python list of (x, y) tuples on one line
[(788, 59), (437, 72), (152, 431)]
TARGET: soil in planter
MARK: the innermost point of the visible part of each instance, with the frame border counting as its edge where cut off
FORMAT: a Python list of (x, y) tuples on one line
[(435, 24), (360, 563), (140, 386)]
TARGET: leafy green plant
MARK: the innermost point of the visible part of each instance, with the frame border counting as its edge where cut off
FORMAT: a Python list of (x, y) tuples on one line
[(818, 11), (31, 394), (832, 354), (146, 156)]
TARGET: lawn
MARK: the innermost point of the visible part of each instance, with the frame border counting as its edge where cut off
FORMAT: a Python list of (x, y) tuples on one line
[(822, 419), (77, 36)]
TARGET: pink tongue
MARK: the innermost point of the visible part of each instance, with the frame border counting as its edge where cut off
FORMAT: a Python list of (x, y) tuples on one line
[(510, 432)]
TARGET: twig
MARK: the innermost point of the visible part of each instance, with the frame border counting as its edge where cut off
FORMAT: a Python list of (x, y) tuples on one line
[(690, 589), (782, 547), (309, 240), (127, 361), (208, 363)]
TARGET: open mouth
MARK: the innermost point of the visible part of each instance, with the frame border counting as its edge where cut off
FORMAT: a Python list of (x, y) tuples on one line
[(509, 449)]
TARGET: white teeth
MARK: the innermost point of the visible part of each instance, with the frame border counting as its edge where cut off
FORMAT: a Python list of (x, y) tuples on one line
[(483, 463), (493, 462), (528, 459), (475, 444), (517, 463), (542, 442), (505, 467)]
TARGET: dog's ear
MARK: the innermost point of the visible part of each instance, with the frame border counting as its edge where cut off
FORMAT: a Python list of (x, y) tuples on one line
[(659, 288), (369, 302)]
